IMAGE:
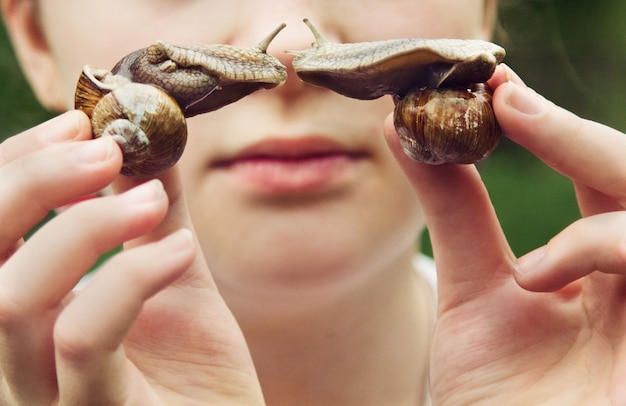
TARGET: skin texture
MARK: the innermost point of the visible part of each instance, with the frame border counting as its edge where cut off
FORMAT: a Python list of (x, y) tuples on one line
[(318, 302)]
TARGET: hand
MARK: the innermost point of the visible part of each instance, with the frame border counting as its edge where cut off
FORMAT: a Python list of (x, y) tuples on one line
[(548, 328), (149, 328)]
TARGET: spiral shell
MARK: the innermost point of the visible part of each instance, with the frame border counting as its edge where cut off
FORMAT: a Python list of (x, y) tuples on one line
[(447, 125), (144, 120)]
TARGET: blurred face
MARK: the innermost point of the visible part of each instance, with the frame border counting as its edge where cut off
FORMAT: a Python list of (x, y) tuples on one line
[(292, 187)]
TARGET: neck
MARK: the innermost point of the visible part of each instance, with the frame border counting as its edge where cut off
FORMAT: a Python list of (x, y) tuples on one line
[(367, 345)]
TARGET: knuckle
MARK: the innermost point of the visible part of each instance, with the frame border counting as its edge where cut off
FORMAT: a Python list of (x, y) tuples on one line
[(71, 343), (8, 149), (11, 313)]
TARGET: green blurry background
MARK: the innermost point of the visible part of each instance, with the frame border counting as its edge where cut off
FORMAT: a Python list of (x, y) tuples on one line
[(571, 51)]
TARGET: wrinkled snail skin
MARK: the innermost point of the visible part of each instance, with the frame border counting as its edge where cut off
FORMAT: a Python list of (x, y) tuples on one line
[(443, 108), (144, 100), (203, 78)]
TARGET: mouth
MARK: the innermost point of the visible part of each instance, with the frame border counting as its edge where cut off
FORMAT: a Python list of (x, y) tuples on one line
[(292, 166)]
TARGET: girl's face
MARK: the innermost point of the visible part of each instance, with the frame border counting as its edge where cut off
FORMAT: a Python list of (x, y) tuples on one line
[(291, 187)]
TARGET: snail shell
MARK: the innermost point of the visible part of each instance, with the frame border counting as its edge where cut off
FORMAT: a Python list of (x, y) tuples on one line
[(144, 100), (144, 120), (447, 125), (443, 109)]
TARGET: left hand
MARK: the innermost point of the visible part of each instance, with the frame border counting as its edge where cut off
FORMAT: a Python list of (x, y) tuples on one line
[(548, 328)]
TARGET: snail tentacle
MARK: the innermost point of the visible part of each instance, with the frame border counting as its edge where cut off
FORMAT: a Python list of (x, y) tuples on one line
[(263, 45)]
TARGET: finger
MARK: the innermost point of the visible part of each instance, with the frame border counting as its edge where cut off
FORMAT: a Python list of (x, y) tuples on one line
[(33, 184), (91, 365), (470, 249), (587, 152), (178, 214), (592, 201), (36, 279), (74, 240), (596, 243), (504, 74), (177, 217), (71, 126)]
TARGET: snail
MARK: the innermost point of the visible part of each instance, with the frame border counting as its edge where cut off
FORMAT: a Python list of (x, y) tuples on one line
[(443, 110), (143, 102)]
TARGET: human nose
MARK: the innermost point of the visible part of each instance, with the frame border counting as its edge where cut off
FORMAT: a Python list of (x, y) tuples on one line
[(295, 36)]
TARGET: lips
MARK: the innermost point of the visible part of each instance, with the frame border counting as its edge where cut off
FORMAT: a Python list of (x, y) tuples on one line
[(288, 166)]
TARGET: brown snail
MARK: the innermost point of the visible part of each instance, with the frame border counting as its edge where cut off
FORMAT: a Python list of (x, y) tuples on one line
[(144, 100), (443, 109)]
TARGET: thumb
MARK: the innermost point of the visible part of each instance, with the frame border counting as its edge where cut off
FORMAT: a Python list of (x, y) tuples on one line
[(177, 217), (470, 249)]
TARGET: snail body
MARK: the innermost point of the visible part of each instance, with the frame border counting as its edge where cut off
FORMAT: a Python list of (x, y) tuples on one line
[(443, 109), (143, 102)]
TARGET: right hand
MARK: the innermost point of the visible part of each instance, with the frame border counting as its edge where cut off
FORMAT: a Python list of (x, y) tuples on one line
[(106, 344), (548, 328)]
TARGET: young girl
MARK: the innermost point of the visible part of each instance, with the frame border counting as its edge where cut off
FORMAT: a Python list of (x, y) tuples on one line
[(286, 271)]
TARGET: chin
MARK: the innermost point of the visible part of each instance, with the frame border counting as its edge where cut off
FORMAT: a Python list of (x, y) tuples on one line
[(306, 252)]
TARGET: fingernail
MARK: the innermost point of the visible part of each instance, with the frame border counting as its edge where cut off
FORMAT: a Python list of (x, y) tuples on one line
[(530, 261), (510, 75), (180, 240), (61, 128), (523, 99), (93, 151), (148, 192)]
